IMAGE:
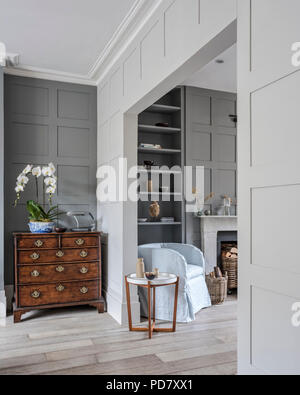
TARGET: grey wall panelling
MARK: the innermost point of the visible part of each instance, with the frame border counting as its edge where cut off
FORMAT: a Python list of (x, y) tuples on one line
[(46, 122), (1, 180), (211, 141)]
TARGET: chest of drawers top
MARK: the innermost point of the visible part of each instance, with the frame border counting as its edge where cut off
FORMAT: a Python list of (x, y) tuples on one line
[(56, 241)]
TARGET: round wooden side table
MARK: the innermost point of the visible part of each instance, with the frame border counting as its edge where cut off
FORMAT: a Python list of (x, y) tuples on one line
[(164, 279)]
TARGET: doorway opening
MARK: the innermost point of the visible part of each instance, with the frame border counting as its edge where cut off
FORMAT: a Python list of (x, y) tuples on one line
[(192, 126)]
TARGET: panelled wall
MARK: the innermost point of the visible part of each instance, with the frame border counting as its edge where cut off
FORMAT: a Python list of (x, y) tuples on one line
[(269, 163), (211, 141), (2, 293), (174, 32), (46, 122)]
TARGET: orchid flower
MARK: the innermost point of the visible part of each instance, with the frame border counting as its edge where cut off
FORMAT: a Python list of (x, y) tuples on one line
[(36, 171)]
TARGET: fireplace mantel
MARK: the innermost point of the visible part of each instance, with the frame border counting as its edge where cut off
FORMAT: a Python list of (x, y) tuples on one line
[(209, 228)]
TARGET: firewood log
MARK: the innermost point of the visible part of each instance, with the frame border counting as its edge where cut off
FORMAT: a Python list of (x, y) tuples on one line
[(218, 272)]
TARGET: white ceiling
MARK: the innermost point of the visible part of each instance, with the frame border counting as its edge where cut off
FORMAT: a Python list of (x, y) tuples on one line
[(221, 77), (65, 36)]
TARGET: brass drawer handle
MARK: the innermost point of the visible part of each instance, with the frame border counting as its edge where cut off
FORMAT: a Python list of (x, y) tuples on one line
[(38, 243), (35, 256), (84, 290), (60, 254), (80, 242), (60, 288), (84, 254), (84, 270), (60, 269), (35, 294), (35, 273)]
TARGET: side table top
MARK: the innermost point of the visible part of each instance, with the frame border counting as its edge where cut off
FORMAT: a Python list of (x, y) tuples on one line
[(162, 279)]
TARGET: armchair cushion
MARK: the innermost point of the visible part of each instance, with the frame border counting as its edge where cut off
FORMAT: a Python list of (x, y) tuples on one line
[(194, 271), (192, 254)]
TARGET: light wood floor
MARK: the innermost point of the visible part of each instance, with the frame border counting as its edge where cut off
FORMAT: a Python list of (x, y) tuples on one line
[(79, 341)]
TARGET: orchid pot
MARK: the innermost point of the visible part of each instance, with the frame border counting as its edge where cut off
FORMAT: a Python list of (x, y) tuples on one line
[(41, 227)]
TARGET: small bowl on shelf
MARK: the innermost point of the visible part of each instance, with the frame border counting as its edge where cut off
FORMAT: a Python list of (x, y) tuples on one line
[(60, 230), (143, 220), (150, 276)]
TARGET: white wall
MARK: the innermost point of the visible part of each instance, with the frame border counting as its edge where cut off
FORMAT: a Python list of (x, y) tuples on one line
[(177, 31), (269, 187)]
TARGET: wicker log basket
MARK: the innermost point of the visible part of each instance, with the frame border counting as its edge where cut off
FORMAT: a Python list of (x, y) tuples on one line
[(230, 266), (217, 288)]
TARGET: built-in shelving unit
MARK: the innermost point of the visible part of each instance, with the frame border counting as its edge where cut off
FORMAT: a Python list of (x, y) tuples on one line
[(167, 170)]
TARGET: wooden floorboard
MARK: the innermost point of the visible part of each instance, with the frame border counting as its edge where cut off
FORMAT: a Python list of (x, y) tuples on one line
[(79, 341)]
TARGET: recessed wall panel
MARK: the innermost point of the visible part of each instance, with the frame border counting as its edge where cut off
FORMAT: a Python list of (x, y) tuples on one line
[(29, 100), (103, 144), (152, 51), (221, 109), (200, 108), (201, 145), (275, 349), (29, 139), (132, 71), (116, 91), (103, 103), (271, 44), (73, 105), (116, 136), (181, 26), (224, 183), (73, 181), (73, 142), (275, 228), (275, 136), (224, 148)]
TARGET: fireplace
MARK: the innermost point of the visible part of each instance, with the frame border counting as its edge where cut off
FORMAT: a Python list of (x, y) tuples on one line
[(212, 229), (225, 242)]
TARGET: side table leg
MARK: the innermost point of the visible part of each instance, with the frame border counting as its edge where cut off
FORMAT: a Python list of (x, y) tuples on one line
[(154, 301), (128, 304), (175, 305), (149, 310)]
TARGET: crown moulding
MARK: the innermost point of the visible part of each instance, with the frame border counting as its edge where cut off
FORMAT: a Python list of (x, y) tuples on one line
[(136, 17)]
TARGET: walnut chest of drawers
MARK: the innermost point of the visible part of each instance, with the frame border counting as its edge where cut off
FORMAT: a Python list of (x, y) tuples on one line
[(57, 270)]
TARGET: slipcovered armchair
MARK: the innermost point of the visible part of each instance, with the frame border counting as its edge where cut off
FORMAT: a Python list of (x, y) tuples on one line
[(188, 263)]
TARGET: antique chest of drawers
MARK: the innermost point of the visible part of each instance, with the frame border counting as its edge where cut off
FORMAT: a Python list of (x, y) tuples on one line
[(57, 270)]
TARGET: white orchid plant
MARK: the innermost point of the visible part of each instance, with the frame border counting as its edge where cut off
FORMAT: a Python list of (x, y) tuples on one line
[(36, 211)]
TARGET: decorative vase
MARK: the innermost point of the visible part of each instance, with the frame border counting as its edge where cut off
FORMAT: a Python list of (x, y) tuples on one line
[(41, 227), (140, 268), (154, 210)]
